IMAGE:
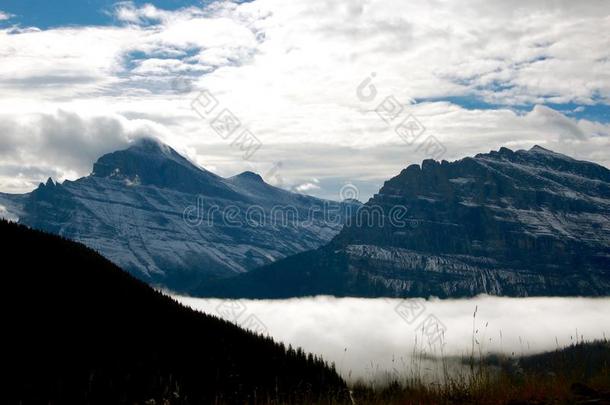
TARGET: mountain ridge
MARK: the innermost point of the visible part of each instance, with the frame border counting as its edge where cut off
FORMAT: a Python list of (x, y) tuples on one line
[(169, 222), (517, 223)]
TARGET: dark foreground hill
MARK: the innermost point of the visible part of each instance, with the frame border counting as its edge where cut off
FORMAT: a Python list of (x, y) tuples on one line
[(522, 223), (77, 329)]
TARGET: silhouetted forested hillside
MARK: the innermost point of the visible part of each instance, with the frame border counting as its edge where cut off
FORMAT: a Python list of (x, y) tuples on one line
[(78, 329)]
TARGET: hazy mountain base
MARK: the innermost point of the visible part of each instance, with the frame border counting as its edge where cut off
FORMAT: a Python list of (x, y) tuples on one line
[(358, 271)]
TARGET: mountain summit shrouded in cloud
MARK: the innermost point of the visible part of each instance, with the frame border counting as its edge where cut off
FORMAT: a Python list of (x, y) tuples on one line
[(476, 74)]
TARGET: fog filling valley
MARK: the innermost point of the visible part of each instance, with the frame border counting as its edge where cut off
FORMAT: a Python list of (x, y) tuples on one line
[(371, 339)]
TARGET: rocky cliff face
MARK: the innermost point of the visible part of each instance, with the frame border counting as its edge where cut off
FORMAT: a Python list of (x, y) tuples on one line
[(173, 224), (507, 223)]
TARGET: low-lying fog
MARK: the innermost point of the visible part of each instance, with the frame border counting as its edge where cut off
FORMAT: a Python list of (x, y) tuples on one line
[(369, 338)]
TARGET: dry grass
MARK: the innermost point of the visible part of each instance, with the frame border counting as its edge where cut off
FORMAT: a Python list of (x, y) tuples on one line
[(577, 374)]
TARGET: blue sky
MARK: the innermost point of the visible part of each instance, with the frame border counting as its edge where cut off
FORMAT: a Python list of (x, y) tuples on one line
[(598, 112), (82, 78), (46, 14)]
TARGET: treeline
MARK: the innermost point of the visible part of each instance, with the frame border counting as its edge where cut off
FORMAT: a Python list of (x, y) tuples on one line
[(80, 330)]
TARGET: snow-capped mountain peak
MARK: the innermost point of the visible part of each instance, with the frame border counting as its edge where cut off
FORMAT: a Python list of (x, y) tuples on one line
[(151, 163), (159, 216)]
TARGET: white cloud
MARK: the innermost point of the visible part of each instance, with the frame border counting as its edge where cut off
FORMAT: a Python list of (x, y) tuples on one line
[(289, 71), (164, 67), (305, 187), (62, 145), (128, 12), (5, 16), (366, 338)]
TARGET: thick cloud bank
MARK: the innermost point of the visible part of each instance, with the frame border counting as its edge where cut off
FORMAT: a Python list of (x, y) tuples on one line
[(367, 338), (476, 74)]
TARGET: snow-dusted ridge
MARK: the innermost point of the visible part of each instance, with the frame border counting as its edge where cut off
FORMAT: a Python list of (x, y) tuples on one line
[(132, 210), (517, 223)]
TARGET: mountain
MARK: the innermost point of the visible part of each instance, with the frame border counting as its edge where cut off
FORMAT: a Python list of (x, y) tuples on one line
[(77, 329), (173, 224), (529, 222), (11, 206)]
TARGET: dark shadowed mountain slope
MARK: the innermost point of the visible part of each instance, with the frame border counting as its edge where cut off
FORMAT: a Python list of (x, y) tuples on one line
[(173, 224), (77, 329), (518, 223)]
